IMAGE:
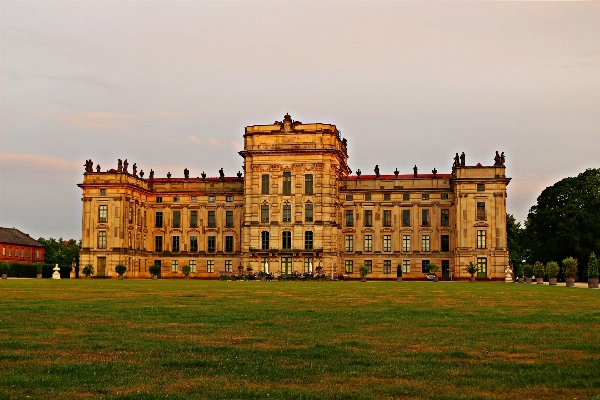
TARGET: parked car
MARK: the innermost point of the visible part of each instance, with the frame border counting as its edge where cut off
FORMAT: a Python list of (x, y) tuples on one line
[(430, 277)]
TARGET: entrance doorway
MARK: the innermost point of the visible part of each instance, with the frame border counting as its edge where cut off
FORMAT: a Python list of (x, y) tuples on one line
[(101, 266), (286, 265), (445, 269)]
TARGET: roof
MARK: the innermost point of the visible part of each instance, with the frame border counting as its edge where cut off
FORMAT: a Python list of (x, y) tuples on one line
[(400, 176), (15, 236)]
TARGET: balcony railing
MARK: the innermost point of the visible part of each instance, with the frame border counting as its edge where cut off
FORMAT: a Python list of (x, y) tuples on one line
[(272, 250)]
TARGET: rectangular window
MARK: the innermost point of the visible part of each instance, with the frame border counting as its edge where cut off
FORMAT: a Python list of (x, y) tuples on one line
[(368, 217), (175, 266), (264, 263), (482, 267), (425, 221), (308, 240), (130, 215), (369, 264), (286, 240), (349, 218), (264, 188), (308, 212), (264, 240), (405, 242), (367, 196), (229, 244), (228, 265), (193, 219), (158, 243), (349, 197), (405, 197), (159, 199), (102, 192), (193, 243), (481, 187), (286, 265), (349, 243), (445, 196), (425, 266), (193, 266), (229, 219), (308, 264), (481, 239), (287, 183), (387, 243), (368, 243), (445, 220), (387, 266), (101, 240), (176, 219), (349, 267), (406, 266), (211, 245), (158, 219), (103, 214), (37, 254), (387, 197), (211, 199), (194, 199), (28, 253), (308, 184), (481, 211), (176, 199), (175, 241), (229, 199), (4, 251), (210, 265), (287, 213), (387, 217), (425, 243), (405, 217), (425, 196), (445, 243), (264, 213), (212, 219)]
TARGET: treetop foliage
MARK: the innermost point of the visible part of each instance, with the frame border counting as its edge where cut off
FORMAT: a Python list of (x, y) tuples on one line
[(60, 251)]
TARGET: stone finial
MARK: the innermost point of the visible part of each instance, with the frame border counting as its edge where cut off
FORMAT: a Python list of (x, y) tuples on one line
[(462, 159), (434, 171), (376, 171), (396, 172), (186, 173), (415, 170), (203, 175), (358, 173)]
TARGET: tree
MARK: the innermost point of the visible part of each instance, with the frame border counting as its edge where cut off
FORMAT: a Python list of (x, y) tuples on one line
[(61, 252), (515, 236), (566, 220)]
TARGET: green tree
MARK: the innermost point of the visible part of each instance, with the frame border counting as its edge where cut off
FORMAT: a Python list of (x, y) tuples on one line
[(515, 239), (61, 252)]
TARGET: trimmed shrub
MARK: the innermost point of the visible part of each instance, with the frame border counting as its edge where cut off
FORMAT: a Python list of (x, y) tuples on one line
[(20, 270), (154, 269), (186, 270), (570, 267), (120, 269), (527, 270), (592, 266), (88, 270), (552, 269), (363, 270), (4, 268), (471, 268), (538, 269)]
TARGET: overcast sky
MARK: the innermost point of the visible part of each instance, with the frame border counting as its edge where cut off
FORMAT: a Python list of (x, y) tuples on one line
[(171, 85)]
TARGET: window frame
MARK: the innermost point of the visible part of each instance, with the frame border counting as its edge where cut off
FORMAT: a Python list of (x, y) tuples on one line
[(193, 219), (308, 212), (406, 266), (406, 245), (387, 243), (211, 244), (425, 217), (176, 219), (387, 266), (229, 244), (229, 218), (387, 218), (368, 218), (426, 243), (102, 239), (308, 184), (210, 265), (287, 183), (193, 243), (349, 266), (350, 220), (158, 219), (445, 243), (175, 243), (103, 213), (286, 240), (481, 239), (445, 217), (212, 219), (308, 240), (349, 243), (158, 243), (405, 217), (264, 213), (286, 212), (265, 181), (369, 265), (265, 240), (368, 243), (480, 211), (174, 266)]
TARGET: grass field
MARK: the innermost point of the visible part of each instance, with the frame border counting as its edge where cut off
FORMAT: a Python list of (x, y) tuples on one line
[(304, 340)]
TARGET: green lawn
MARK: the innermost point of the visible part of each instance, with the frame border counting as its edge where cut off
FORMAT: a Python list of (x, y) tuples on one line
[(137, 339)]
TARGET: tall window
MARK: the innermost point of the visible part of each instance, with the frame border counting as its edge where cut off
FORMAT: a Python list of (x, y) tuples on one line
[(287, 213), (264, 213), (264, 188), (425, 266), (158, 219), (210, 265), (286, 265), (228, 265), (349, 267), (349, 218), (307, 264), (175, 243), (406, 266), (229, 219), (308, 184), (229, 244), (445, 243), (308, 212), (158, 243), (212, 219), (130, 215), (425, 217), (211, 248), (405, 217), (264, 240), (368, 243), (387, 266), (387, 243), (308, 240), (287, 183), (176, 219), (193, 266), (286, 240), (368, 217), (369, 264), (482, 267), (263, 264), (387, 217), (445, 217), (481, 239), (193, 243), (425, 243), (101, 240), (481, 210), (349, 243), (103, 214), (193, 219), (405, 242), (175, 266)]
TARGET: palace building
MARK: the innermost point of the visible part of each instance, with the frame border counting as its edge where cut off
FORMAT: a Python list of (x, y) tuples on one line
[(297, 206)]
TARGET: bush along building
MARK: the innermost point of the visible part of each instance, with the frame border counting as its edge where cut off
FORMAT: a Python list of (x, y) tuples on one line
[(297, 207)]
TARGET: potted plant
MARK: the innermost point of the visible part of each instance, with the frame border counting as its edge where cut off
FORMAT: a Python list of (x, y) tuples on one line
[(4, 269), (527, 272), (38, 268), (570, 270), (120, 269), (186, 271), (433, 269), (155, 271), (539, 272), (552, 271), (88, 270), (471, 269), (363, 270), (592, 271)]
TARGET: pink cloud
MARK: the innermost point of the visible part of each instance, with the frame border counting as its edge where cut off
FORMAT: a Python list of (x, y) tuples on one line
[(214, 141), (194, 139)]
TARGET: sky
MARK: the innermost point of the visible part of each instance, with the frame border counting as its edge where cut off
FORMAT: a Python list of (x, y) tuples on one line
[(171, 85)]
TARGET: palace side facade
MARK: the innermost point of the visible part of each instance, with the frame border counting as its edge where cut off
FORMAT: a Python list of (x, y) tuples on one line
[(297, 206)]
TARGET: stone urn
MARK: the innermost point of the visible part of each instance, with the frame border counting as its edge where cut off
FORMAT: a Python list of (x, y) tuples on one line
[(435, 279), (154, 277), (472, 279), (39, 276), (263, 278), (570, 282), (120, 277), (539, 281), (593, 283), (186, 277), (552, 281), (4, 276), (363, 279), (528, 280), (399, 279), (521, 280)]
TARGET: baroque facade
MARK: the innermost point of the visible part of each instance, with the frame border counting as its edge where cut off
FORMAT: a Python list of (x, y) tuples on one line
[(296, 207)]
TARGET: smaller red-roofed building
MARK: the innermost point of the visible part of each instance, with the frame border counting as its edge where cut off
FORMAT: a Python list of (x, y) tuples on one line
[(16, 246)]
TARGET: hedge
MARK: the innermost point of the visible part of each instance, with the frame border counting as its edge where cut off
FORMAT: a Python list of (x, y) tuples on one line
[(20, 270)]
